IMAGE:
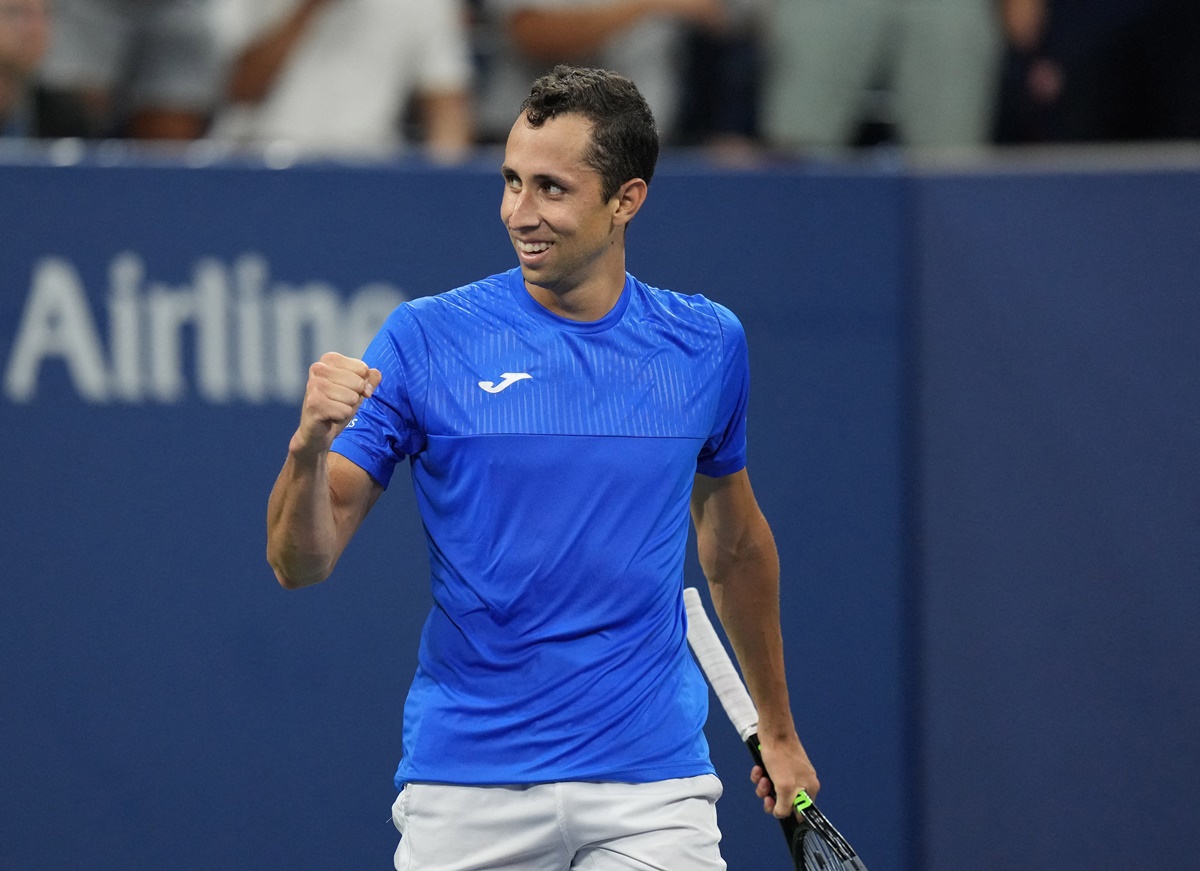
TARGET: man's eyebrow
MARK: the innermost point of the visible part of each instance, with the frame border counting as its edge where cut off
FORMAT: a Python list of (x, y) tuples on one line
[(538, 178)]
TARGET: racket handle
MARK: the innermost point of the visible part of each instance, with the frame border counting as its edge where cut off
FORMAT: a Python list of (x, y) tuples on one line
[(794, 829), (790, 825)]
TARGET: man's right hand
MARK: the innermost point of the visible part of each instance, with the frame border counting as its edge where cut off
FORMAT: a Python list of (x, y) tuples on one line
[(336, 387)]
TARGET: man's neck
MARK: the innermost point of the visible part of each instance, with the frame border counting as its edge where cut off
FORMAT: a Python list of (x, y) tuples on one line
[(588, 301), (589, 298)]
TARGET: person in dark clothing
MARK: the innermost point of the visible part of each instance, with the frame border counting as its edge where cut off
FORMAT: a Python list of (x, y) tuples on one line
[(1082, 71), (28, 110)]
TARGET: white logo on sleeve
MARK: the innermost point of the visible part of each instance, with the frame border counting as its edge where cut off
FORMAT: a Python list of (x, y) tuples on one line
[(506, 379)]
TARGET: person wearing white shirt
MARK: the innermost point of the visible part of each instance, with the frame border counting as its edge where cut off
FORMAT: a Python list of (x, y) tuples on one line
[(337, 77)]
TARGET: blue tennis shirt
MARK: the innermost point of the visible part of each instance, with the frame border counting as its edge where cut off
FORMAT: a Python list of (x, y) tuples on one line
[(553, 463)]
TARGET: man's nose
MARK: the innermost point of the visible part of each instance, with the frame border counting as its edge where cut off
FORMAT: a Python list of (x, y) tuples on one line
[(521, 210)]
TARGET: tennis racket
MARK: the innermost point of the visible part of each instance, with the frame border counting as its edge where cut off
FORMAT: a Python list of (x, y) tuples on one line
[(814, 843)]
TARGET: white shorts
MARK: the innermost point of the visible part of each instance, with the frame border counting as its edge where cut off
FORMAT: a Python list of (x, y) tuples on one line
[(668, 825)]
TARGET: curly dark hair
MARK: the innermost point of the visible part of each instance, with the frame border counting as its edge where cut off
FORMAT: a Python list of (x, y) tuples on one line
[(625, 140)]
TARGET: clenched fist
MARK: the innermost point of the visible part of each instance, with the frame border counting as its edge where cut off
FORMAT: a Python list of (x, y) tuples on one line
[(336, 387)]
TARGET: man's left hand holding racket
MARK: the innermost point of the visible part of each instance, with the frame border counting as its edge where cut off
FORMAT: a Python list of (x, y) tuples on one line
[(791, 772)]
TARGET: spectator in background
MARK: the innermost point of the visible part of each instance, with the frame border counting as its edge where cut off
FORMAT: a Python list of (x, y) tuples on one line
[(642, 39), (1083, 71), (337, 76), (28, 109), (937, 60), (722, 83), (146, 69)]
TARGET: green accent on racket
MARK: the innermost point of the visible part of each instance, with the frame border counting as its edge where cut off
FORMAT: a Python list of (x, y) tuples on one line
[(802, 802)]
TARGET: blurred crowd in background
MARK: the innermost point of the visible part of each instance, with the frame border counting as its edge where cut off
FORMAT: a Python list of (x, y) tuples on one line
[(737, 77)]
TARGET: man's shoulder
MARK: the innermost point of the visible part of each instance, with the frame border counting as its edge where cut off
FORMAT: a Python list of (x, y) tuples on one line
[(494, 286), (481, 298), (695, 307)]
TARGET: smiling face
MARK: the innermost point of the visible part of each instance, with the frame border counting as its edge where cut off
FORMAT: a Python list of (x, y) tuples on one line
[(569, 240)]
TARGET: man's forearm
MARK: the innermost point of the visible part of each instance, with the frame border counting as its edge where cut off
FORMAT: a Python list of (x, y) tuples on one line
[(318, 501), (744, 581), (745, 591), (301, 533)]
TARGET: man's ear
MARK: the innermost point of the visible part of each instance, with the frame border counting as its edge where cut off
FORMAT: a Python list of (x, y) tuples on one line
[(628, 198)]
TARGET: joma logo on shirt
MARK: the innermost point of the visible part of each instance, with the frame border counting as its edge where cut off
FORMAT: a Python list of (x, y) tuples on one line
[(506, 379)]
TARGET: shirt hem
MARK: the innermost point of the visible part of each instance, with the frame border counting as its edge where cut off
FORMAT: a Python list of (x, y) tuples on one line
[(639, 775)]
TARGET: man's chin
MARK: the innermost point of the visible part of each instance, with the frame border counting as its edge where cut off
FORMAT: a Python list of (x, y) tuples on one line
[(534, 274)]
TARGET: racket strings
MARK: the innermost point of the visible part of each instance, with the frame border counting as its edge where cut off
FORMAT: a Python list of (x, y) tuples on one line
[(818, 854), (817, 822)]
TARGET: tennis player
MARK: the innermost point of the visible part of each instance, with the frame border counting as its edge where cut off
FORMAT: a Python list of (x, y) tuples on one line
[(559, 419)]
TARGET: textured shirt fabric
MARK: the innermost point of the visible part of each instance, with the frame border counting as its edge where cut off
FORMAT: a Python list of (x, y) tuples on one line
[(553, 463), (345, 87)]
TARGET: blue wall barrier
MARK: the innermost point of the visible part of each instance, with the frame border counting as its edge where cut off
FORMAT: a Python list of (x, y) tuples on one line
[(1060, 512), (973, 427)]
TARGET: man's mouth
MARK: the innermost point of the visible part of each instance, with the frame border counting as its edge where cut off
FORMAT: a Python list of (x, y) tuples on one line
[(532, 247)]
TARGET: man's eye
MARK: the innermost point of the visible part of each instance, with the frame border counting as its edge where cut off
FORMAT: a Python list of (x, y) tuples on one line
[(552, 188)]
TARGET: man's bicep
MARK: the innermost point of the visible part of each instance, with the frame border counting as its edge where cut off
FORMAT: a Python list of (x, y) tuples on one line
[(702, 487), (730, 527), (722, 500), (353, 492), (722, 508)]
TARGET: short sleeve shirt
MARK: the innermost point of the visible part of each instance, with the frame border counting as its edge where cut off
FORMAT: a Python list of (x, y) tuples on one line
[(553, 463)]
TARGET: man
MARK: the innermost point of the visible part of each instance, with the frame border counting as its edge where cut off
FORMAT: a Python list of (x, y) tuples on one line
[(559, 419)]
